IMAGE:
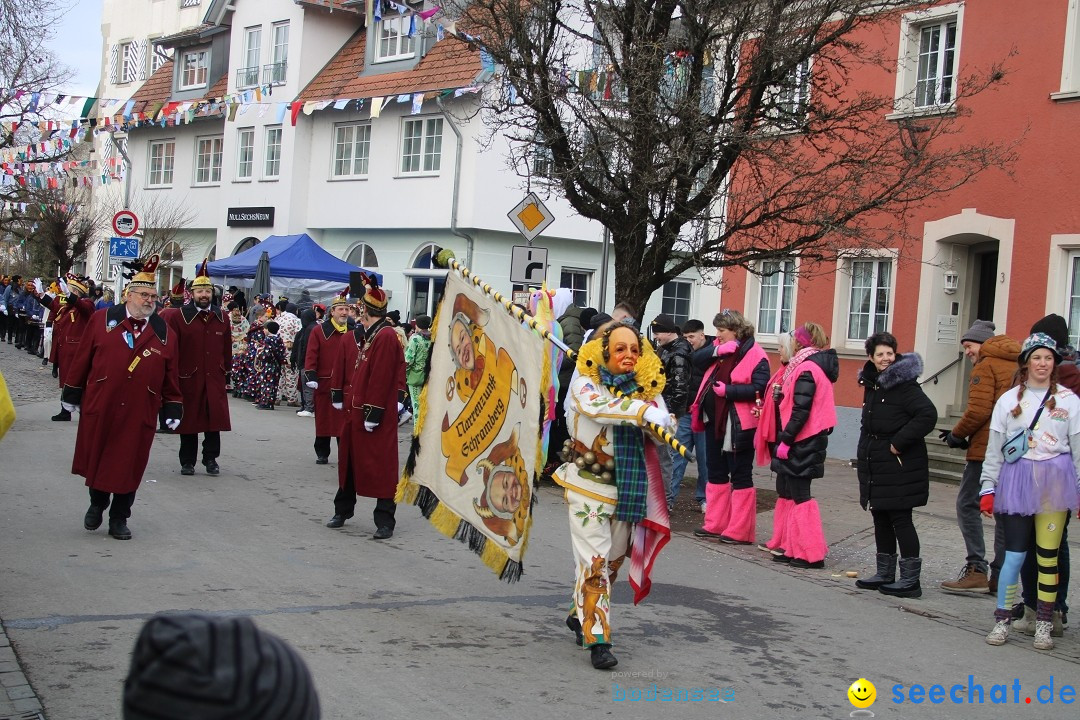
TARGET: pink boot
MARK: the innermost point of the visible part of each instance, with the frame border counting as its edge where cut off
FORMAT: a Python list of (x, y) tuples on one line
[(743, 522), (778, 541), (806, 536), (717, 509)]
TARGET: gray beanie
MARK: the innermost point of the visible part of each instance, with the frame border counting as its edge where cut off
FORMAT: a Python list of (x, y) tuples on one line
[(201, 666), (979, 332)]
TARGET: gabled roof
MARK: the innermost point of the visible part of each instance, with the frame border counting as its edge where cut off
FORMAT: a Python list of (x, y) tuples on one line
[(449, 64), (158, 88)]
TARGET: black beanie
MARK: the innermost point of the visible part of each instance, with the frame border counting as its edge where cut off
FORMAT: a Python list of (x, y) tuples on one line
[(212, 668), (1054, 326)]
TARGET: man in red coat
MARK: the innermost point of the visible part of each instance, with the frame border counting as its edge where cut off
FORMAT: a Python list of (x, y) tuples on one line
[(204, 346), (70, 319), (369, 449), (125, 371), (330, 356)]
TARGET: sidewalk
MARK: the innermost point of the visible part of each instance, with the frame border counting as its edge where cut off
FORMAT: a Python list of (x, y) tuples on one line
[(17, 701)]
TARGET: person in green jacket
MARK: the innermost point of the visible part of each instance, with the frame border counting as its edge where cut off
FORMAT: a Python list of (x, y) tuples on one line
[(416, 357)]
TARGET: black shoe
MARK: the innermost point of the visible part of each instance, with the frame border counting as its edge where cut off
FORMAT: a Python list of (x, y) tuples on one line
[(212, 467), (187, 469), (806, 564), (702, 532), (782, 558), (336, 521), (93, 518), (602, 659), (44, 363), (55, 371), (62, 416), (383, 533), (322, 460), (908, 585), (118, 529), (575, 625), (732, 541)]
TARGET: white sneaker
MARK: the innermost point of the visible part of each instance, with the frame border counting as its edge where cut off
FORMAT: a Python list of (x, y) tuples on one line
[(1043, 640), (304, 413), (403, 417), (999, 634)]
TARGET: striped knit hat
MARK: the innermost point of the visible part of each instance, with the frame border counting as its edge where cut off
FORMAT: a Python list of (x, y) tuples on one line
[(212, 668)]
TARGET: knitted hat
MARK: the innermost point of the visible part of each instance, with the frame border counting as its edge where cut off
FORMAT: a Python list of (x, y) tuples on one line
[(664, 323), (75, 282), (147, 276), (979, 332), (600, 318), (198, 666), (1033, 343), (423, 322), (1054, 326), (202, 279), (177, 291)]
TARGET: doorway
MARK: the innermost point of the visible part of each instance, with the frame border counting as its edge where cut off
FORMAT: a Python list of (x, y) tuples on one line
[(986, 271)]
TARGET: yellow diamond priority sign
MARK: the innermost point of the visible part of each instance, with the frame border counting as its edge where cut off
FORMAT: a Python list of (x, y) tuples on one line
[(531, 217)]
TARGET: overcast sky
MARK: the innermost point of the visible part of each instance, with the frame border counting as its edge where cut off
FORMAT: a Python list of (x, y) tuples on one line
[(77, 44)]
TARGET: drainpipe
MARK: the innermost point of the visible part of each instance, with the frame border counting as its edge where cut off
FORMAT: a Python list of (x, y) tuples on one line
[(457, 186)]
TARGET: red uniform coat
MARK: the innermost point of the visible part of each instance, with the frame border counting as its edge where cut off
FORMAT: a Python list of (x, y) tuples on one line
[(69, 321), (204, 348), (120, 389), (371, 458), (330, 357)]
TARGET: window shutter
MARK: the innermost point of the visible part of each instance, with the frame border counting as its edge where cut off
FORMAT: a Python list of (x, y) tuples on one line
[(114, 56), (140, 58)]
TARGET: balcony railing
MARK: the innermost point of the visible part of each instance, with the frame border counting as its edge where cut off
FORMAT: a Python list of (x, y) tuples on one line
[(274, 73), (247, 77)]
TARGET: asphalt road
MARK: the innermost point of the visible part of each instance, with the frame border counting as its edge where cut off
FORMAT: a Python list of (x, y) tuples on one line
[(416, 627)]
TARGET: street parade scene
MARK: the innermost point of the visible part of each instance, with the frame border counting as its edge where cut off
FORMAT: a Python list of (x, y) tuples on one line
[(370, 359)]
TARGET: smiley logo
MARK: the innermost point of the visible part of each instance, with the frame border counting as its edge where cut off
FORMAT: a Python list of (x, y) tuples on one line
[(862, 693)]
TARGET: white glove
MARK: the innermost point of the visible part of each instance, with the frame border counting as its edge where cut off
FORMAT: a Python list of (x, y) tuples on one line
[(369, 426), (400, 407), (312, 384), (64, 287), (38, 286), (657, 416), (69, 407), (338, 406), (172, 424)]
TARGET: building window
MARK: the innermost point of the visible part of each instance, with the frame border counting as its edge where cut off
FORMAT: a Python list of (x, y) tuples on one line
[(676, 300), (426, 282), (776, 301), (1073, 299), (394, 41), (245, 153), (542, 161), (870, 299), (937, 58), (245, 245), (577, 282), (162, 161), (352, 143), (929, 55), (421, 148), (193, 69), (248, 75), (274, 73), (272, 166), (131, 59), (208, 160), (793, 98), (158, 57), (363, 256)]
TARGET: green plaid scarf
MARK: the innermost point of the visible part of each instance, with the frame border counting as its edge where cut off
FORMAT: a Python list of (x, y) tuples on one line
[(630, 476)]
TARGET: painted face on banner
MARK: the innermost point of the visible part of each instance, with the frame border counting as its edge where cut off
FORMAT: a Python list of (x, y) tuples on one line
[(462, 346), (505, 493), (624, 349)]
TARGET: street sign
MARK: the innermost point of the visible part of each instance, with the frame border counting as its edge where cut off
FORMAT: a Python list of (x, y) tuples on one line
[(531, 217), (528, 265), (123, 248), (125, 223)]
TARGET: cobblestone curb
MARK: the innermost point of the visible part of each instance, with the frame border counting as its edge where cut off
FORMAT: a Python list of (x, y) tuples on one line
[(17, 701)]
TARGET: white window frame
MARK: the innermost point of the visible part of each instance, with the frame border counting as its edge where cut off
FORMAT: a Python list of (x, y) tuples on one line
[(784, 278), (364, 248), (245, 154), (581, 294), (252, 57), (392, 39), (423, 150), (541, 164), (669, 303), (842, 297), (167, 170), (1070, 61), (345, 146), (1070, 307), (794, 94), (907, 63), (129, 62), (158, 57), (203, 69), (209, 152), (268, 157), (279, 54)]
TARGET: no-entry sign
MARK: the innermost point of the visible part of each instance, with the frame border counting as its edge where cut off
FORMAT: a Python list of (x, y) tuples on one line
[(125, 223)]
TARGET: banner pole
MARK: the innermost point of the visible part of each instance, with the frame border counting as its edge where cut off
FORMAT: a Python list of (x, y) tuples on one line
[(445, 258)]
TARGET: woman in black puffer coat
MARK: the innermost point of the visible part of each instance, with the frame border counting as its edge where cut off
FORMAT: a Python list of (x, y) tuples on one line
[(894, 471)]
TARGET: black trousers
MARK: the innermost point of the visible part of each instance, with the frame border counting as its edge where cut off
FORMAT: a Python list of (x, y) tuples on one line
[(345, 505), (33, 337), (189, 446), (734, 467), (322, 445), (120, 509), (793, 488), (892, 527)]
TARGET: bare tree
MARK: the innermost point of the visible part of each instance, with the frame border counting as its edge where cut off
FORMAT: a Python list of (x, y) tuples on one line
[(57, 228), (716, 133), (162, 219)]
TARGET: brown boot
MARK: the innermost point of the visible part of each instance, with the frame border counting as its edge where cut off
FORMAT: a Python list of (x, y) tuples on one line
[(970, 581)]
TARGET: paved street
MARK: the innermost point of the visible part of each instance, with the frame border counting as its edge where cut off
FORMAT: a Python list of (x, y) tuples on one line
[(416, 627)]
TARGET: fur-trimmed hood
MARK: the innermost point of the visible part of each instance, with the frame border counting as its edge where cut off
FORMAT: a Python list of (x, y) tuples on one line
[(905, 368)]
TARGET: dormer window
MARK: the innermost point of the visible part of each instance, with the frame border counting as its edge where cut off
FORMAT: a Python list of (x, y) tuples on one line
[(194, 65), (394, 41)]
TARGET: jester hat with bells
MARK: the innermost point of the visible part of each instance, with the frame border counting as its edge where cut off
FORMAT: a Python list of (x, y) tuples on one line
[(147, 276), (504, 458), (202, 279), (374, 297)]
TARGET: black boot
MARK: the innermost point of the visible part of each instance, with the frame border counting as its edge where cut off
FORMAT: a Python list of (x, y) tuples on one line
[(575, 625), (93, 518), (908, 585), (886, 573), (62, 416), (118, 528), (602, 659)]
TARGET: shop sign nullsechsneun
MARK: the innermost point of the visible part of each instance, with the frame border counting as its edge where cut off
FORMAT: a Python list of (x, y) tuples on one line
[(251, 217)]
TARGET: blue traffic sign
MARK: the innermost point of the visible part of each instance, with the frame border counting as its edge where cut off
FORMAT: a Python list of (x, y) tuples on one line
[(124, 247)]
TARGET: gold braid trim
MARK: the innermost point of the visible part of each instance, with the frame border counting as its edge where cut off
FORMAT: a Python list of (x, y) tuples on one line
[(649, 371)]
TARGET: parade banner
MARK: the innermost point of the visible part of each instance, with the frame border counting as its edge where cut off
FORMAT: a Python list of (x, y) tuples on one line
[(477, 439)]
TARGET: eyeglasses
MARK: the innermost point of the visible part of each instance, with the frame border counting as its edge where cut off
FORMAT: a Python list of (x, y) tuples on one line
[(144, 295)]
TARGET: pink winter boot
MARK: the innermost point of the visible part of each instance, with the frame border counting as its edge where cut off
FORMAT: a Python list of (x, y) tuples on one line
[(778, 541), (743, 523), (717, 510), (806, 536)]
